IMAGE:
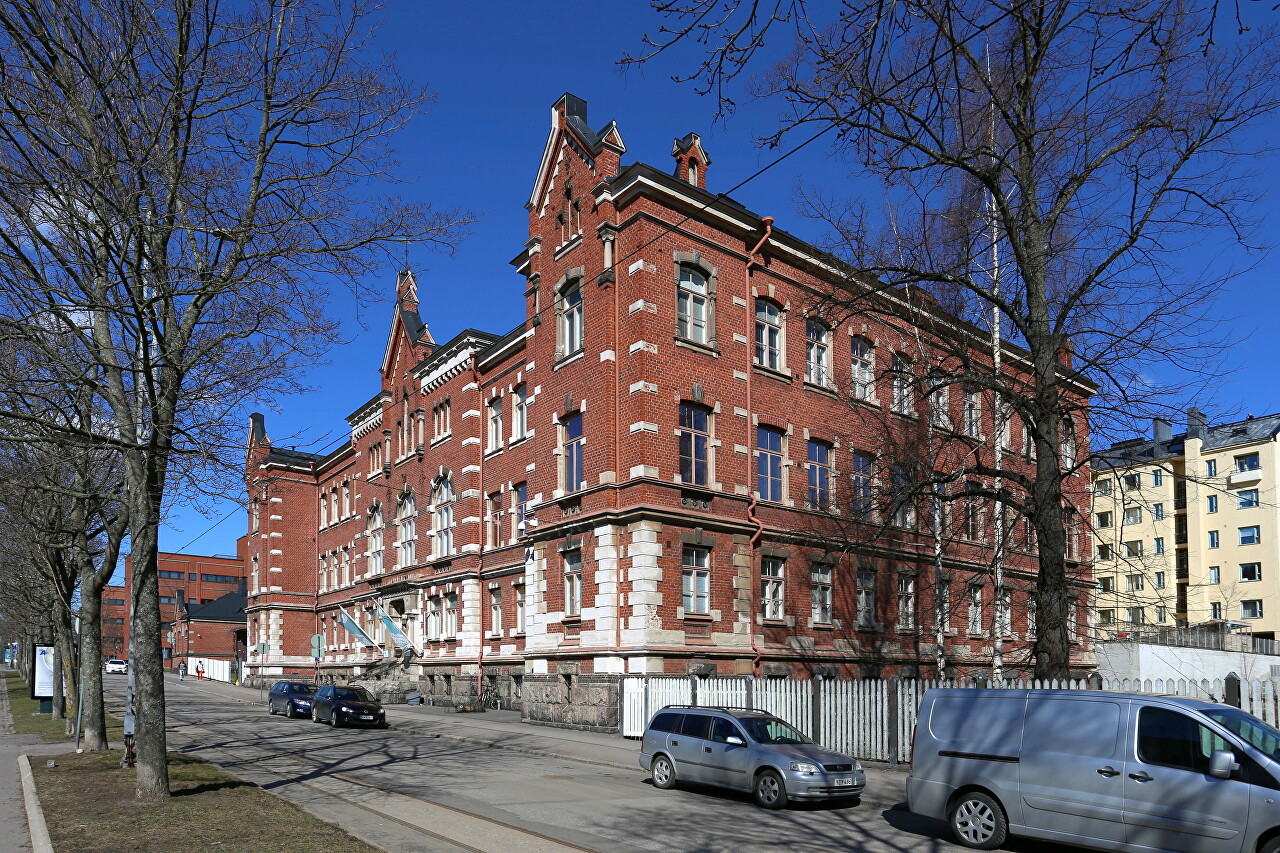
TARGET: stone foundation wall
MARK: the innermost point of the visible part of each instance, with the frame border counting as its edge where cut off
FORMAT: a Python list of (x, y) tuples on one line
[(572, 701)]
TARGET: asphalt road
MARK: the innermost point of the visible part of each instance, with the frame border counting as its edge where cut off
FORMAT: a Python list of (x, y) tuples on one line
[(407, 793)]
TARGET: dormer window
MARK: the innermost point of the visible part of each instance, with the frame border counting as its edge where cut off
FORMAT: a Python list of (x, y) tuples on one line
[(693, 172)]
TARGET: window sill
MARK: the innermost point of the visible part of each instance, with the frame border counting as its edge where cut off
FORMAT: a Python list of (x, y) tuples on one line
[(706, 349), (574, 621), (493, 451), (775, 622), (780, 375), (573, 243), (441, 439), (698, 617), (517, 440), (570, 358), (817, 388)]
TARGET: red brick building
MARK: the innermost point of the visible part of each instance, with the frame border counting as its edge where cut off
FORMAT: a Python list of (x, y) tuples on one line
[(186, 581), (115, 622), (215, 629), (676, 464)]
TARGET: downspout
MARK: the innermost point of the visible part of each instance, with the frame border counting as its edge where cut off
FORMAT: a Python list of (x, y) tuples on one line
[(767, 221), (484, 534), (610, 236)]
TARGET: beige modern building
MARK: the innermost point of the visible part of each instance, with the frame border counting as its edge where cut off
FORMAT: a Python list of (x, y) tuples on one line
[(1187, 530)]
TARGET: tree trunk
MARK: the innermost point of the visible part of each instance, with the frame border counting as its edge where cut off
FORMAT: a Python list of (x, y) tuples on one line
[(58, 663), (94, 723), (148, 674)]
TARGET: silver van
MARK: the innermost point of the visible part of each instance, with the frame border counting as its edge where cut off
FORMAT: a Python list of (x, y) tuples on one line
[(1111, 771), (746, 750)]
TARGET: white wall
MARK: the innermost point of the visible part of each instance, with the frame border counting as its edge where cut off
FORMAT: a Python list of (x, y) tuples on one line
[(1123, 659)]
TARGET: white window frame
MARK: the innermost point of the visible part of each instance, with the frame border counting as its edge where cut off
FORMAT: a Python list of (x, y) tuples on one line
[(769, 335), (693, 305), (773, 601), (695, 580), (817, 353)]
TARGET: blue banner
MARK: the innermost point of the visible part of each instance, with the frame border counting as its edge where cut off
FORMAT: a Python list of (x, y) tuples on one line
[(354, 629), (395, 632)]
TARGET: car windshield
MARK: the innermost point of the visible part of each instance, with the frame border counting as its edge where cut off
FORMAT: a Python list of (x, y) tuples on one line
[(771, 730), (352, 694), (302, 689), (1252, 730)]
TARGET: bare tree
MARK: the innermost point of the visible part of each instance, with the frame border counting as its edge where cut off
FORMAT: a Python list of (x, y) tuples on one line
[(1086, 146), (180, 183)]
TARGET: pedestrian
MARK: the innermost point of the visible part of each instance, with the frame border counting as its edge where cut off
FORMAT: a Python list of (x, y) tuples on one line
[(199, 671), (182, 670)]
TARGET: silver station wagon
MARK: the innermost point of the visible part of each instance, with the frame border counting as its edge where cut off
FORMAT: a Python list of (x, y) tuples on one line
[(745, 750)]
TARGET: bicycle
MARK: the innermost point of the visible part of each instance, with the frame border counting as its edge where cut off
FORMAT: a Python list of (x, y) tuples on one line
[(489, 699)]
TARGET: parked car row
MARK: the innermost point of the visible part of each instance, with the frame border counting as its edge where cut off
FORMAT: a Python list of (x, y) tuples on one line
[(337, 705)]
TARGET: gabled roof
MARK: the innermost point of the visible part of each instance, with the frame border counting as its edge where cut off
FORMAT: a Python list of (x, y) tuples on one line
[(584, 140), (406, 320), (227, 608)]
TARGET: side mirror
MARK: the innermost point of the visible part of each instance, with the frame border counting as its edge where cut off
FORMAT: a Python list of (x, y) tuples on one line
[(734, 740), (1222, 763)]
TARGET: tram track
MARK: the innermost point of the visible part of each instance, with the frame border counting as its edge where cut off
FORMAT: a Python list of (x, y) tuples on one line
[(292, 770)]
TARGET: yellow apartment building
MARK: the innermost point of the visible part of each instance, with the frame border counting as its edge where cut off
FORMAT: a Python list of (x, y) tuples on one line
[(1187, 531)]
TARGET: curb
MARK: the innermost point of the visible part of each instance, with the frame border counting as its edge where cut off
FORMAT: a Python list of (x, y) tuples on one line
[(40, 842)]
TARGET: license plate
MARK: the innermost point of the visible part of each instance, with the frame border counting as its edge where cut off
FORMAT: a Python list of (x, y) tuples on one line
[(840, 783), (366, 716)]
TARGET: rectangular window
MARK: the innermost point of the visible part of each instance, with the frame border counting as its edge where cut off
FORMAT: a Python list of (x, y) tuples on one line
[(1102, 487), (772, 594), (495, 611), (692, 306), (1248, 462), (942, 606), (1251, 571), (495, 424), (1133, 548), (1106, 617), (1157, 477), (450, 615), (519, 412), (572, 583), (1211, 468), (1102, 520), (1133, 583), (696, 579), (170, 575), (1104, 551), (1215, 610), (1211, 503), (975, 609), (1133, 515), (903, 403), (520, 516), (1004, 615), (1162, 614), (1031, 615), (769, 463), (866, 599), (1136, 616), (1106, 584), (571, 319), (518, 590), (819, 496), (1215, 574), (904, 511), (1132, 482), (863, 369), (1158, 581), (493, 513), (862, 483), (1251, 535), (1246, 499), (1159, 545), (906, 603), (817, 353), (574, 473), (1157, 512), (768, 335), (695, 444), (1251, 609), (972, 414), (971, 522), (821, 578), (1213, 539)]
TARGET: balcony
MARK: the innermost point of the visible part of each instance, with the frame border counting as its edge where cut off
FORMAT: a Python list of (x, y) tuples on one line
[(1241, 478)]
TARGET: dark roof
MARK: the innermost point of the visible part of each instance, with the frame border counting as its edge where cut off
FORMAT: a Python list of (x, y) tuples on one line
[(227, 608), (1132, 451)]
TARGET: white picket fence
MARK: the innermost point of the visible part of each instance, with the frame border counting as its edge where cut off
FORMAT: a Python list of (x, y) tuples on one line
[(874, 719), (214, 669)]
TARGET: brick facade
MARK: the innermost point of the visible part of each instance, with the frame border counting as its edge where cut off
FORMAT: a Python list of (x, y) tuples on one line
[(186, 580), (639, 478)]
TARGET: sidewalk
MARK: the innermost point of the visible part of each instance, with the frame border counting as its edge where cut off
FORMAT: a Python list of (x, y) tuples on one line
[(886, 786)]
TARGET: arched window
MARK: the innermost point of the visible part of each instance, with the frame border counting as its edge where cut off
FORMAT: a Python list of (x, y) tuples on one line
[(373, 532), (1069, 458), (442, 501), (406, 532), (903, 400), (693, 171), (864, 369), (768, 335)]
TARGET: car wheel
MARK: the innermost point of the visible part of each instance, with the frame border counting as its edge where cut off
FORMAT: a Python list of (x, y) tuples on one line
[(290, 710), (1272, 846), (333, 718), (271, 707), (664, 775), (977, 821), (770, 791), (315, 715)]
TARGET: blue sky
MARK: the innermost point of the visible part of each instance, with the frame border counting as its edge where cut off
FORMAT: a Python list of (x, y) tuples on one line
[(497, 67)]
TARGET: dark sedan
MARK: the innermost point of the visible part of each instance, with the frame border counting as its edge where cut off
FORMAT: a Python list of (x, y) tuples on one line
[(290, 698), (347, 706)]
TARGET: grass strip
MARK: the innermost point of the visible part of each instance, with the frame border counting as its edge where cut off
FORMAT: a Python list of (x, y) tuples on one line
[(27, 719), (89, 805)]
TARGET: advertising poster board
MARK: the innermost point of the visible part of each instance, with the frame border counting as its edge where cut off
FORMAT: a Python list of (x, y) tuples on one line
[(42, 677)]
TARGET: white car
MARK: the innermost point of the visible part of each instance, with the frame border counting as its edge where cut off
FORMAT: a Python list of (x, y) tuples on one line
[(115, 665)]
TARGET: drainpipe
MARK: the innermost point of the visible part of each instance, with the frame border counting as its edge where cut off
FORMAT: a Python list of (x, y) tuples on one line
[(608, 236), (767, 222), (484, 533)]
